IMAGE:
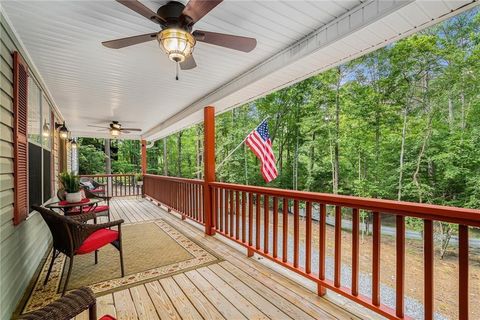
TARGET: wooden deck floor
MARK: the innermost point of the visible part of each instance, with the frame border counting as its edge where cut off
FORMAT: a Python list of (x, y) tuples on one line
[(237, 288)]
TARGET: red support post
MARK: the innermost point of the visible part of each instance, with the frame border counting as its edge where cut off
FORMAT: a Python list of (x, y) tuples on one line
[(143, 162), (209, 167), (144, 157)]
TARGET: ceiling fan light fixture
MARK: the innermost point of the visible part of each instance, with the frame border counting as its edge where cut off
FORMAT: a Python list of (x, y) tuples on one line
[(115, 132), (178, 44)]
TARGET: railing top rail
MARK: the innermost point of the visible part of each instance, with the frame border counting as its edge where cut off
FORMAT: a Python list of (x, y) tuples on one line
[(177, 179), (420, 210), (107, 175)]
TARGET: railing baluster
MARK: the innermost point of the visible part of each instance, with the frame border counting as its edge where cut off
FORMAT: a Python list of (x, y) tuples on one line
[(400, 269), (428, 256), (285, 230), (222, 211), (227, 209), (376, 260), (296, 233), (308, 238), (266, 222), (232, 213), (257, 223), (250, 219), (244, 216), (202, 211), (338, 246), (322, 247), (463, 272), (215, 208), (237, 215), (275, 227), (355, 250)]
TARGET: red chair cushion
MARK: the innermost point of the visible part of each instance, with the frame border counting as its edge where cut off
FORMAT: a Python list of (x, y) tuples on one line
[(97, 240), (85, 210), (98, 190), (107, 317)]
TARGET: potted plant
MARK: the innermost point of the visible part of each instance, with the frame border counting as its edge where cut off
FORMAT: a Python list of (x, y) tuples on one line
[(139, 178), (71, 185)]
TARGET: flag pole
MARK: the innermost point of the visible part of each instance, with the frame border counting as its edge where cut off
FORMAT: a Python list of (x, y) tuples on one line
[(240, 144)]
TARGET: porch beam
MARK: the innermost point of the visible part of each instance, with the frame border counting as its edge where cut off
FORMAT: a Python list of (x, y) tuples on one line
[(209, 167)]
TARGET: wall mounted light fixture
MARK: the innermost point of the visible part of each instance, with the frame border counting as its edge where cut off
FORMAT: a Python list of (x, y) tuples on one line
[(62, 129)]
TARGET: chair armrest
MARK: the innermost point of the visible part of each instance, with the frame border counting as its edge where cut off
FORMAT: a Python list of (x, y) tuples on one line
[(105, 198), (106, 224), (67, 307)]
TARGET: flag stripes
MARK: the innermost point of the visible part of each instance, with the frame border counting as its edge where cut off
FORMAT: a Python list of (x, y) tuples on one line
[(259, 142)]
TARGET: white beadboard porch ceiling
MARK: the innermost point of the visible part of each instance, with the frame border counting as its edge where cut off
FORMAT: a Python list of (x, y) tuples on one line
[(91, 84)]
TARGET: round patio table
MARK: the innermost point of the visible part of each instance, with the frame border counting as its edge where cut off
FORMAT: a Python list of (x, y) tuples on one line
[(84, 206)]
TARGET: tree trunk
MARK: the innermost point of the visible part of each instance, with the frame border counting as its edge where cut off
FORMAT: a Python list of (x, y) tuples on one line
[(419, 158), (199, 151), (165, 164), (402, 152), (312, 159), (450, 114), (336, 153), (179, 159)]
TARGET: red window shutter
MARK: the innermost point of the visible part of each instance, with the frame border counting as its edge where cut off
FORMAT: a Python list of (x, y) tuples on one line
[(20, 110)]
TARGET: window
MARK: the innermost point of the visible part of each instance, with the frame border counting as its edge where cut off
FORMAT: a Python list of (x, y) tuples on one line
[(40, 135), (34, 112)]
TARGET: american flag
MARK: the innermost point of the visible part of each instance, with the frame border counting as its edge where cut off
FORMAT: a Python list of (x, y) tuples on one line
[(259, 142)]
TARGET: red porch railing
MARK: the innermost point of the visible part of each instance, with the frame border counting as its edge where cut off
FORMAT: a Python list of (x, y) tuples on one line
[(182, 195), (117, 185), (239, 214)]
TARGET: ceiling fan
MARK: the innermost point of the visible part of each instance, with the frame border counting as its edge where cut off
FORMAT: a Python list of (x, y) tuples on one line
[(176, 37), (115, 128)]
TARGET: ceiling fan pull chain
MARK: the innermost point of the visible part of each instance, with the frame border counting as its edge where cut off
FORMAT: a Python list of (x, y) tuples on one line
[(177, 70)]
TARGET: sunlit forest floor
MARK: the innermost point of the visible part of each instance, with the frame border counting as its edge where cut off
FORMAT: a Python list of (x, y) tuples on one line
[(445, 278)]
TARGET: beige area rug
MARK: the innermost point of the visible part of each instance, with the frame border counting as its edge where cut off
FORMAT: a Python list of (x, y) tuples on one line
[(152, 250)]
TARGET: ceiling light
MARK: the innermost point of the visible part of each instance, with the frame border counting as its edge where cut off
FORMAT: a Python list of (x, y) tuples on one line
[(114, 132), (73, 143), (46, 129), (177, 44)]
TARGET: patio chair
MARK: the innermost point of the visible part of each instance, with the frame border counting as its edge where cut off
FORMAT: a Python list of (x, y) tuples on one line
[(72, 236), (100, 210), (68, 306), (93, 186)]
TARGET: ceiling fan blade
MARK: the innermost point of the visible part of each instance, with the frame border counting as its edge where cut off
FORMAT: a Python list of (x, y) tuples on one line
[(129, 41), (125, 131), (94, 126), (197, 9), (239, 43), (142, 10), (104, 129), (188, 64), (130, 129)]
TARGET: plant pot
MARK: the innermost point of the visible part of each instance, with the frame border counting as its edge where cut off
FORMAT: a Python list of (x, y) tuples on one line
[(74, 197), (139, 183)]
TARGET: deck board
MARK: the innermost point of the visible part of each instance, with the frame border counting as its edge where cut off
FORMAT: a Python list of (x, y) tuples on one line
[(237, 288)]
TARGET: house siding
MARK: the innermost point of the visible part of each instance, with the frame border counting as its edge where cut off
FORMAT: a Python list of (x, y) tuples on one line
[(22, 247)]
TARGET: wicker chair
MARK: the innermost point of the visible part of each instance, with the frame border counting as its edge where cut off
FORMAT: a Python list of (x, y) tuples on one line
[(100, 211), (67, 307), (98, 188), (72, 236)]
